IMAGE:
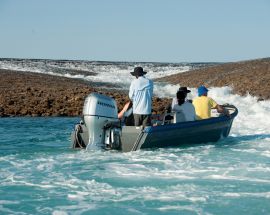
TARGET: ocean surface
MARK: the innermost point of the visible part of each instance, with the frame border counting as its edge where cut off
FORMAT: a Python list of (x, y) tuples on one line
[(41, 174)]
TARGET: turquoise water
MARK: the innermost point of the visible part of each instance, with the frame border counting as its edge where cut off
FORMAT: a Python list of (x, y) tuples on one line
[(41, 174)]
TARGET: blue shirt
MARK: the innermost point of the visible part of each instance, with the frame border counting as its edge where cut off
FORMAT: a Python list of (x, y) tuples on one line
[(141, 92)]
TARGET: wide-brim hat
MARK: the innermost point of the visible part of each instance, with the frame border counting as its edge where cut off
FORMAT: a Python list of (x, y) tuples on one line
[(184, 89), (138, 71)]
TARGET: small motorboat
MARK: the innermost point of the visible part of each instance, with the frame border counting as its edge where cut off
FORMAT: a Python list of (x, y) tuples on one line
[(101, 128)]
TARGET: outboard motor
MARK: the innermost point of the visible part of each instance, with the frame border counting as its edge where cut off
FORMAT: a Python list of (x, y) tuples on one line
[(101, 122)]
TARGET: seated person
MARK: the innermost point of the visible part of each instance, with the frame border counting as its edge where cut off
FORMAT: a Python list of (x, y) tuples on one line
[(203, 104), (184, 110), (184, 89)]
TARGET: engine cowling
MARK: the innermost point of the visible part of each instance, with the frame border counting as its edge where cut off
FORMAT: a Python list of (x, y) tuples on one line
[(99, 111)]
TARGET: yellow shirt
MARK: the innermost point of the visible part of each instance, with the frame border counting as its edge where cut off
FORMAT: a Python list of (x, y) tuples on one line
[(203, 105)]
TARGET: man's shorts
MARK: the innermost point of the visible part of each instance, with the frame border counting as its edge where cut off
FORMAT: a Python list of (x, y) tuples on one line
[(144, 120)]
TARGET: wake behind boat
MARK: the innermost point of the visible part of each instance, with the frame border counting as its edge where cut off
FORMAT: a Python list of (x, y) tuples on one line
[(101, 128)]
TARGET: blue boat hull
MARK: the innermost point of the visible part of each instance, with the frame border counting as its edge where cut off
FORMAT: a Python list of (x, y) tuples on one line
[(187, 133), (194, 132)]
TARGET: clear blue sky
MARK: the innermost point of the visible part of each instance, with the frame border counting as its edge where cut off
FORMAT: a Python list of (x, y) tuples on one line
[(136, 30)]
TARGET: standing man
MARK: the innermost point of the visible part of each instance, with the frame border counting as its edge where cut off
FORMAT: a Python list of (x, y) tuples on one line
[(141, 92)]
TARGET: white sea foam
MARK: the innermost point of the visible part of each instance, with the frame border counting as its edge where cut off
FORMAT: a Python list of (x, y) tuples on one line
[(181, 209), (237, 178), (246, 195), (266, 154), (115, 73), (57, 212), (3, 202)]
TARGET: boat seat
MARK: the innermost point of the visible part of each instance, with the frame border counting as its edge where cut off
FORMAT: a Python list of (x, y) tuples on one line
[(167, 119)]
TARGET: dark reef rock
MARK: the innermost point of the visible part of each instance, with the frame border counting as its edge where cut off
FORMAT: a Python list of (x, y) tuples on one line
[(244, 77), (33, 94)]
